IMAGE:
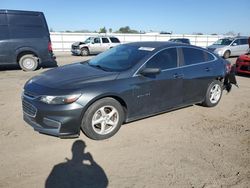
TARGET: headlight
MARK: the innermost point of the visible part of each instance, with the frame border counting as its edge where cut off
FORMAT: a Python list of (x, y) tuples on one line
[(219, 51), (63, 99)]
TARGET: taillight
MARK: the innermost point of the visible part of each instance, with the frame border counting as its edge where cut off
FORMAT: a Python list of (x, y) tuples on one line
[(228, 67), (50, 47)]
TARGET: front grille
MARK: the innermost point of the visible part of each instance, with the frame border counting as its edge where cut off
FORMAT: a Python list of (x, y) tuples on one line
[(30, 95), (245, 68), (29, 109), (74, 47), (211, 49)]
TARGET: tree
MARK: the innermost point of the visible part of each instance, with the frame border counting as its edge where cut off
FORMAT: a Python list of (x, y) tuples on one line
[(230, 33), (110, 30), (126, 29), (103, 30)]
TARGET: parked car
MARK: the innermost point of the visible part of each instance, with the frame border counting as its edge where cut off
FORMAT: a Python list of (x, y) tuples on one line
[(123, 84), (227, 47), (243, 64), (181, 40), (94, 45), (25, 40)]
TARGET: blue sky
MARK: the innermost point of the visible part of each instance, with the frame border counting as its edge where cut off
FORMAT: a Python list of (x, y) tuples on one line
[(179, 16)]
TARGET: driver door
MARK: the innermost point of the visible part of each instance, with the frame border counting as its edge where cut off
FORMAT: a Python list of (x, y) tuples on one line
[(162, 91)]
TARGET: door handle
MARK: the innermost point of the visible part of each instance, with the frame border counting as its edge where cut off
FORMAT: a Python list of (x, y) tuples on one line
[(176, 76), (208, 69)]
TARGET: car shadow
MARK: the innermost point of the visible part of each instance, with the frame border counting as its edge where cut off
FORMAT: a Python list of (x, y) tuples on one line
[(80, 171)]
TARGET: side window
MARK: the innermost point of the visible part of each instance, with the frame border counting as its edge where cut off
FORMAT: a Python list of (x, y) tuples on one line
[(193, 56), (243, 41), (105, 40), (3, 19), (4, 33), (25, 20), (114, 40), (165, 59), (237, 42), (97, 40)]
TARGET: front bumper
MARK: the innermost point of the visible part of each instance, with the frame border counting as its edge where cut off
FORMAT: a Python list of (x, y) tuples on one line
[(76, 51), (56, 120), (243, 67)]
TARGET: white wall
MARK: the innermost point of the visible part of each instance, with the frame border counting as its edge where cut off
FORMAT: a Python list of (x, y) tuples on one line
[(63, 41)]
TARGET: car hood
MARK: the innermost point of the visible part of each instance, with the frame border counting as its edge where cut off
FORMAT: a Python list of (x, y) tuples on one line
[(215, 46), (72, 76), (245, 57), (78, 43)]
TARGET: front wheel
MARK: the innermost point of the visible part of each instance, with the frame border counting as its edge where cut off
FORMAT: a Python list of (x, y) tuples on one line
[(84, 52), (103, 119), (28, 62), (213, 95), (226, 55)]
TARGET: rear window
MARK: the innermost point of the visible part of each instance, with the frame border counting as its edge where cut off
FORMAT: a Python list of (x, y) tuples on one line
[(105, 40), (27, 26), (194, 56), (3, 19), (114, 40), (26, 19), (243, 41)]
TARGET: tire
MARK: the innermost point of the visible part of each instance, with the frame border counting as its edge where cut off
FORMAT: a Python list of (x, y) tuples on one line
[(226, 54), (84, 52), (103, 119), (28, 62), (213, 94)]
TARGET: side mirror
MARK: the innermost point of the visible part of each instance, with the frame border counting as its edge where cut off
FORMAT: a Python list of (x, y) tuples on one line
[(150, 71), (92, 42), (235, 44)]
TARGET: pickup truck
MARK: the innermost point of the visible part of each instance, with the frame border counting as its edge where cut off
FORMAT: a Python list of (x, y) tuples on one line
[(94, 45)]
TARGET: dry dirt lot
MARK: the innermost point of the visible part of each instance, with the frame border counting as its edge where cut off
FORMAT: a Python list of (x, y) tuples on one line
[(191, 147)]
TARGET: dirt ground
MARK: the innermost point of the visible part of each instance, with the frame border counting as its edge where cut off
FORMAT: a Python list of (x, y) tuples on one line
[(191, 147)]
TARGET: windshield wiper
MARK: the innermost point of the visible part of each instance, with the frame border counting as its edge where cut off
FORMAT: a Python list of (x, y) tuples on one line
[(99, 67)]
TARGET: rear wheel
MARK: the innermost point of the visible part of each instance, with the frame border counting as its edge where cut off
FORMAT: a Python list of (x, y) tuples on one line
[(84, 52), (103, 119), (213, 95), (28, 62), (226, 54)]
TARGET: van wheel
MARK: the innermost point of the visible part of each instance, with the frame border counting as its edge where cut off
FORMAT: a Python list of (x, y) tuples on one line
[(28, 62), (103, 119), (84, 52), (213, 95), (226, 54)]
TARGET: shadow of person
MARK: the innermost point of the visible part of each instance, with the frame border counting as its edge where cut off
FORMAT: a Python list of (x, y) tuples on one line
[(79, 172)]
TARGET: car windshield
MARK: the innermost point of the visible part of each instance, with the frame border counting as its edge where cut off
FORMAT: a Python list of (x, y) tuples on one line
[(119, 58), (88, 40), (223, 42)]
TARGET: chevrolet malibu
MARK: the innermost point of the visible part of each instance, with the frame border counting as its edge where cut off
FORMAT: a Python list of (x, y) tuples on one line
[(123, 84)]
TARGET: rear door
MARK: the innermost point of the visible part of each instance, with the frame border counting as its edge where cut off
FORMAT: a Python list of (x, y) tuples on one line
[(105, 44), (5, 52), (95, 46), (197, 67)]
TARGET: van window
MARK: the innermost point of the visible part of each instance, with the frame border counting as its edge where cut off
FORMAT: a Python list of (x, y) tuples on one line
[(4, 34), (243, 41), (165, 59), (3, 19), (25, 20), (27, 26)]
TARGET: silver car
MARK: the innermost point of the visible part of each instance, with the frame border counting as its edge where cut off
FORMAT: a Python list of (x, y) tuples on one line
[(94, 45), (227, 47)]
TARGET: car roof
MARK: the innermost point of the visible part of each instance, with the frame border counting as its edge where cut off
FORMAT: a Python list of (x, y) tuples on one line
[(238, 37), (158, 44), (19, 11)]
